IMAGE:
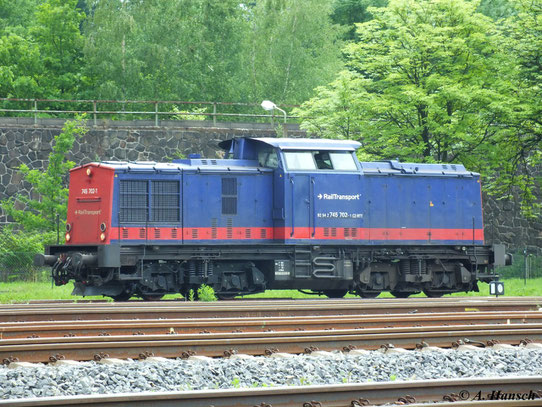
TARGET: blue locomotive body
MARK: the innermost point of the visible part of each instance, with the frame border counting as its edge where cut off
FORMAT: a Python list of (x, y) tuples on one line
[(275, 213)]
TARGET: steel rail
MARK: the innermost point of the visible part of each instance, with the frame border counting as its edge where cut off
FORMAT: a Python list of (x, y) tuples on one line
[(338, 395), (13, 330), (140, 310), (256, 343), (498, 303), (315, 299)]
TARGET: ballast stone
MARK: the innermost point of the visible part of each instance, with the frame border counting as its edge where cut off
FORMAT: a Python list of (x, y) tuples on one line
[(113, 361), (241, 356), (223, 373), (65, 362), (200, 358), (282, 355), (156, 359), (18, 365)]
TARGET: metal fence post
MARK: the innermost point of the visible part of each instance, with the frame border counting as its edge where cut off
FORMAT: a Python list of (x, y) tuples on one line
[(214, 114), (35, 112), (94, 112), (155, 114)]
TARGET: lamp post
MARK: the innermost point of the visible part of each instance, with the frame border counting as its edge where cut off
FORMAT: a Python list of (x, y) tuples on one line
[(269, 106)]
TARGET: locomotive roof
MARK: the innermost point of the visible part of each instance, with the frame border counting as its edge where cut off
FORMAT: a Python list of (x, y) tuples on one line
[(210, 165), (301, 143)]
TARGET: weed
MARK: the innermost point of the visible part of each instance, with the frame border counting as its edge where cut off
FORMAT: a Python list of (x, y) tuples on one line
[(206, 293)]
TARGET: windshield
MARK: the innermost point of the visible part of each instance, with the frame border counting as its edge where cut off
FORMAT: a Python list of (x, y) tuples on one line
[(321, 160)]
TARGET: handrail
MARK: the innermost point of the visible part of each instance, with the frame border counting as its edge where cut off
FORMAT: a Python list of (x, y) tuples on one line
[(155, 105)]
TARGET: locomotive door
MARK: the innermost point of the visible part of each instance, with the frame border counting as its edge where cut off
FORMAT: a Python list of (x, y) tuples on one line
[(302, 206)]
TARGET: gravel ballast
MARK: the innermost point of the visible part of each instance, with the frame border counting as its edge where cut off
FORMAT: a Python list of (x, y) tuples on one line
[(177, 375)]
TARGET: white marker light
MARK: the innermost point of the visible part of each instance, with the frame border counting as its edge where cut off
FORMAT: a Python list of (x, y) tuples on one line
[(496, 288)]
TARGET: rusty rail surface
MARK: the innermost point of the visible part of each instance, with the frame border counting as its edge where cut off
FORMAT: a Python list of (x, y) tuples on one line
[(339, 395), (264, 308), (41, 329), (259, 343)]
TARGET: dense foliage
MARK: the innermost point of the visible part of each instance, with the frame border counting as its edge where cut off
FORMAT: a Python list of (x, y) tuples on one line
[(17, 250), (198, 50), (431, 80), (436, 80)]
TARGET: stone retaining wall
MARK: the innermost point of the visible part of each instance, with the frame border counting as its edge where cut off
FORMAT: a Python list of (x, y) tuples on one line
[(22, 141)]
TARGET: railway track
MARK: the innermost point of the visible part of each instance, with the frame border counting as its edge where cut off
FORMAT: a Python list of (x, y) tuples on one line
[(90, 311), (464, 391), (272, 328), (154, 328), (306, 337), (16, 330), (218, 345)]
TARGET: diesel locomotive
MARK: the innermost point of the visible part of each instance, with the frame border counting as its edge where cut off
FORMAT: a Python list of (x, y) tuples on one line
[(274, 213)]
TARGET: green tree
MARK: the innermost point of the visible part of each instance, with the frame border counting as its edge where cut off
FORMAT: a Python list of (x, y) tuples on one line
[(422, 84), (21, 68), (16, 13), (515, 165), (39, 215), (350, 12), (292, 46), (108, 50), (497, 9), (180, 50), (56, 31)]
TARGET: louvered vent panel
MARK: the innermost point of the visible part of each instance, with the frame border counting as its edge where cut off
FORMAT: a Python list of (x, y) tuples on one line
[(214, 228), (229, 196), (133, 201), (229, 229)]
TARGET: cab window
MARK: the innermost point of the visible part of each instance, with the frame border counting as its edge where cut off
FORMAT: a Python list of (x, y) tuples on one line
[(343, 161), (268, 158), (299, 160), (321, 160)]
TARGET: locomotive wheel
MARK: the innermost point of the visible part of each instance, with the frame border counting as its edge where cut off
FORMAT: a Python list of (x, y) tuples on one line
[(401, 294), (148, 297), (335, 293), (369, 294), (124, 296), (433, 294), (226, 297)]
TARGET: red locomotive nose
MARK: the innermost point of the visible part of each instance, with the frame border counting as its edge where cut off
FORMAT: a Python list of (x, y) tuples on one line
[(89, 204)]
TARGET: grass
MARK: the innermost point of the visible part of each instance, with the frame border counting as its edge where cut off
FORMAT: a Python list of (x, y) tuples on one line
[(27, 291), (22, 291), (513, 287)]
